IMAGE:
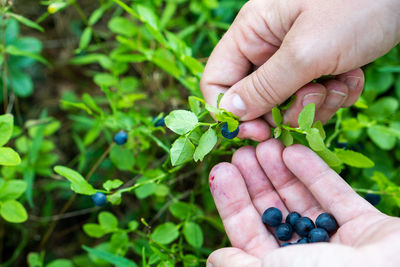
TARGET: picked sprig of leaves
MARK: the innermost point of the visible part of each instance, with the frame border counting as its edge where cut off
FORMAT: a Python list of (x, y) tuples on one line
[(195, 143)]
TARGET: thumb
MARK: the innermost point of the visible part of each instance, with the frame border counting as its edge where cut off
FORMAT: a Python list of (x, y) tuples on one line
[(232, 257), (271, 84)]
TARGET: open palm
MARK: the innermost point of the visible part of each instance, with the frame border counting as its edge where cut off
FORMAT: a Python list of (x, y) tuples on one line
[(296, 179)]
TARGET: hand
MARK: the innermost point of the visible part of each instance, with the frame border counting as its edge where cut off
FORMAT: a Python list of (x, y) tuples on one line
[(284, 45), (296, 179)]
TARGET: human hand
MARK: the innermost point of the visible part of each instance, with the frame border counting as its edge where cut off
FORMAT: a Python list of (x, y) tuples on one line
[(290, 43), (296, 179)]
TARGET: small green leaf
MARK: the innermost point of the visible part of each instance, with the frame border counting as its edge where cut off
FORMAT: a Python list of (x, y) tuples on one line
[(82, 106), (193, 234), (181, 151), (181, 121), (122, 158), (354, 159), (165, 233), (277, 116), (315, 140), (286, 138), (206, 144), (26, 22), (6, 128), (86, 37), (108, 221), (12, 211), (115, 199), (382, 136), (15, 51), (105, 79), (277, 132), (112, 184), (194, 105), (306, 117), (78, 183), (12, 189), (180, 210), (320, 127), (123, 26), (94, 230), (8, 157), (60, 263), (329, 157), (116, 260)]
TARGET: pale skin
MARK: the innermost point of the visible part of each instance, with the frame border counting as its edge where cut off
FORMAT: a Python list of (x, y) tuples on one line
[(274, 49), (296, 179)]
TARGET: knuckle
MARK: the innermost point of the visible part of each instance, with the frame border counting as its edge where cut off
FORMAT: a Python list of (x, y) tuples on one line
[(264, 89)]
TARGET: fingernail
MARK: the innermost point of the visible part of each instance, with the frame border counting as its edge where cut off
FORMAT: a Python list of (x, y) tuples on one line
[(352, 82), (315, 98), (234, 104), (335, 98), (209, 264)]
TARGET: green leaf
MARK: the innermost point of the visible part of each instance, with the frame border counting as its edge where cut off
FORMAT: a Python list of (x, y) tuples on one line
[(12, 189), (180, 210), (112, 184), (277, 116), (206, 144), (105, 79), (26, 22), (383, 108), (94, 230), (286, 138), (78, 183), (86, 37), (148, 16), (12, 211), (315, 140), (306, 117), (22, 83), (181, 151), (378, 82), (193, 234), (123, 26), (82, 106), (320, 127), (181, 121), (108, 221), (122, 158), (329, 157), (165, 233), (288, 103), (8, 157), (15, 51), (354, 159), (6, 128), (115, 199), (60, 263), (146, 189), (382, 136), (194, 105), (118, 261)]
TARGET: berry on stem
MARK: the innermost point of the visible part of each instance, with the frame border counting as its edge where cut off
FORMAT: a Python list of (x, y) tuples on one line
[(120, 138), (303, 226), (226, 133), (284, 232), (272, 217), (318, 235), (159, 122), (327, 221), (99, 199)]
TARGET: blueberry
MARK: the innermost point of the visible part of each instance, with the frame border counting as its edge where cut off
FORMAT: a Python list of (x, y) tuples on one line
[(303, 226), (99, 199), (159, 122), (284, 232), (373, 199), (226, 133), (121, 137), (327, 221), (318, 235), (343, 145), (292, 218), (272, 217), (286, 244), (303, 240)]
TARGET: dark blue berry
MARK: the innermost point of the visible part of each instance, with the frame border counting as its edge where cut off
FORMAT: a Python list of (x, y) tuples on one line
[(292, 217), (120, 138), (343, 145), (272, 217), (327, 221), (159, 122), (99, 199), (303, 226), (284, 232), (318, 235), (373, 199), (303, 240), (226, 133), (286, 244)]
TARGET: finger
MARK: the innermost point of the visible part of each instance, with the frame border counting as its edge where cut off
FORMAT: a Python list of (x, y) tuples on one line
[(290, 189), (241, 220), (257, 130), (337, 93), (310, 93), (317, 254), (355, 83), (232, 257), (260, 189), (328, 188), (240, 48)]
